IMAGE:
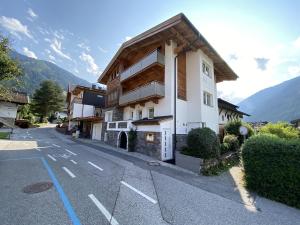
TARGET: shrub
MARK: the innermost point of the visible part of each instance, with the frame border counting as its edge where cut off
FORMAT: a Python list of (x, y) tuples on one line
[(203, 143), (280, 129), (224, 148), (232, 127), (232, 141), (132, 138), (272, 168)]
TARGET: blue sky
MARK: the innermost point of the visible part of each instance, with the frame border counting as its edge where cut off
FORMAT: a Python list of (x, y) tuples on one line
[(260, 40)]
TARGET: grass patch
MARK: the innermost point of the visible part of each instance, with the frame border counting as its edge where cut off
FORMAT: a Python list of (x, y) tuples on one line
[(4, 135)]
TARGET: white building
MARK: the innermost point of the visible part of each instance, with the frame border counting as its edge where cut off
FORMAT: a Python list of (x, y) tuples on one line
[(9, 107), (141, 87)]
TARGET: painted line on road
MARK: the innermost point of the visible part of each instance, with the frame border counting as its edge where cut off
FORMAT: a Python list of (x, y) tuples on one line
[(56, 145), (74, 162), (62, 195), (139, 192), (68, 172), (94, 165), (70, 152), (37, 149), (51, 157), (103, 210)]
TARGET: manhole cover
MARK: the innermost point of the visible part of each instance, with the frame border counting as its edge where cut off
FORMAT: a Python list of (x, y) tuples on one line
[(153, 163), (37, 187)]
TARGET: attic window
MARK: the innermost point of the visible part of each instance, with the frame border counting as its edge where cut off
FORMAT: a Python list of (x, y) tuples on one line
[(206, 69)]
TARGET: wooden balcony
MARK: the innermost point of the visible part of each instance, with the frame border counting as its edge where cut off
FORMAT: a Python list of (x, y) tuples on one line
[(153, 90), (155, 58)]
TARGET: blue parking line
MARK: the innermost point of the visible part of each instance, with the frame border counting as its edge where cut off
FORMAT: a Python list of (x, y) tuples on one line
[(62, 195)]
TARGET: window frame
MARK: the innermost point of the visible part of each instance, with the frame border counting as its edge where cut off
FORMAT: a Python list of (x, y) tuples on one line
[(208, 101), (206, 66), (150, 108)]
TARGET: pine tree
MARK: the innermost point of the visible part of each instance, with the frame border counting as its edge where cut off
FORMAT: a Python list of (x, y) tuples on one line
[(47, 99)]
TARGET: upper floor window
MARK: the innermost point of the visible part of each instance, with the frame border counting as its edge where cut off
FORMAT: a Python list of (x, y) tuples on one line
[(151, 113), (139, 114), (131, 115), (206, 69), (207, 98), (108, 116)]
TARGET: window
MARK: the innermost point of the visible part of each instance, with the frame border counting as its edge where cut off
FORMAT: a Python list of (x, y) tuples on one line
[(151, 113), (108, 116), (223, 118), (207, 98), (139, 114), (206, 69), (131, 115), (150, 137)]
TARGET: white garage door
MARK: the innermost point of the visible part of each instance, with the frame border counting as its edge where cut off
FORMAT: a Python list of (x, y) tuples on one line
[(97, 128)]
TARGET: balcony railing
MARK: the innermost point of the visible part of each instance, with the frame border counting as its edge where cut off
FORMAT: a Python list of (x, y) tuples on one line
[(119, 125), (151, 90), (153, 58)]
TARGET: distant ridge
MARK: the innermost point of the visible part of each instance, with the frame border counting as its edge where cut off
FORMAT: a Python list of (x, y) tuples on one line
[(277, 103), (35, 71)]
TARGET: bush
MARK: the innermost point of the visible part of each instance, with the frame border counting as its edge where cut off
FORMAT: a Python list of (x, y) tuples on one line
[(232, 141), (280, 129), (132, 138), (203, 143), (224, 148), (232, 127), (272, 168)]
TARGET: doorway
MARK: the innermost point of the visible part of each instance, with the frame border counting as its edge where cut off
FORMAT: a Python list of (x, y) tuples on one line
[(123, 140)]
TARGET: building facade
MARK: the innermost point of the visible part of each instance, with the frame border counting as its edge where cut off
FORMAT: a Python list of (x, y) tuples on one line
[(85, 106), (162, 83)]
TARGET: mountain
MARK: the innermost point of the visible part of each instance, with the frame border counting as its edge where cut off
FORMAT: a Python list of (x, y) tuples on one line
[(35, 71), (277, 103)]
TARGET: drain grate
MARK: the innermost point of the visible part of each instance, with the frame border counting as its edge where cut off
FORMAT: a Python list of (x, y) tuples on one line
[(153, 163), (37, 187)]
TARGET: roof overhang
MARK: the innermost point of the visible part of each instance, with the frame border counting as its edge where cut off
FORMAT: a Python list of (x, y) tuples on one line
[(177, 28)]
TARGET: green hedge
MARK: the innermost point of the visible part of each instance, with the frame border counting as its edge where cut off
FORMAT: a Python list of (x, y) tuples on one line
[(232, 141), (203, 143), (280, 129), (232, 127), (272, 168)]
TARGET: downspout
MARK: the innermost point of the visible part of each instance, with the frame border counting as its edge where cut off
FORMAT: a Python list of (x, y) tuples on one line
[(173, 161)]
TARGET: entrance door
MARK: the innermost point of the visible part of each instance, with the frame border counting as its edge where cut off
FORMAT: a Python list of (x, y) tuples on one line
[(97, 129), (166, 153), (123, 140)]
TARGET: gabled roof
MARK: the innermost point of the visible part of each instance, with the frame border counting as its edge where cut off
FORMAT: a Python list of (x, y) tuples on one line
[(16, 97), (222, 104), (178, 28)]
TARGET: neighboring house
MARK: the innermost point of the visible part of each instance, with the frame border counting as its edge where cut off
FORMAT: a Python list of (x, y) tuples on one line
[(228, 112), (85, 110), (9, 107), (296, 123), (141, 87)]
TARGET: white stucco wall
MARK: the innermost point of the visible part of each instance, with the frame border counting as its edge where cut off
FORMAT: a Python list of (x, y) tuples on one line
[(8, 109)]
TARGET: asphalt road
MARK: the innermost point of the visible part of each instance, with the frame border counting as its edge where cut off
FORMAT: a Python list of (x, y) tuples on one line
[(93, 187)]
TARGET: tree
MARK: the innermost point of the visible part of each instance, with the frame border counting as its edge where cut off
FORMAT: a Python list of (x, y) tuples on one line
[(47, 99), (9, 69)]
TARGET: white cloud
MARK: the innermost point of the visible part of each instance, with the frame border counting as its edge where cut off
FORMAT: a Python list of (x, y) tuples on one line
[(31, 13), (294, 71), (56, 47), (59, 35), (90, 61), (51, 57), (102, 50), (76, 71), (84, 46), (29, 53), (297, 42), (14, 26)]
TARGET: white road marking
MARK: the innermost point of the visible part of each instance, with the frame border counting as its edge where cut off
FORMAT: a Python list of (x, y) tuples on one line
[(44, 147), (37, 149), (51, 157), (68, 172), (73, 161), (104, 211), (56, 145), (97, 167), (70, 152), (139, 192)]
